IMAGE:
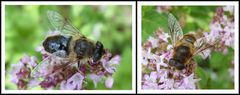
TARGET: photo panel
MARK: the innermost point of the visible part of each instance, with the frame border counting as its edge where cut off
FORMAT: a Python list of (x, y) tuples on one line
[(188, 47), (68, 47)]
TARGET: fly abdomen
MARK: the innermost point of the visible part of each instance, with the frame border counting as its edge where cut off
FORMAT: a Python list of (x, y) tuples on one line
[(183, 53), (57, 45)]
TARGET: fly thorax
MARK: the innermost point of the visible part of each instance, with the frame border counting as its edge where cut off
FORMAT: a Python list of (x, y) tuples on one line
[(83, 48), (189, 38)]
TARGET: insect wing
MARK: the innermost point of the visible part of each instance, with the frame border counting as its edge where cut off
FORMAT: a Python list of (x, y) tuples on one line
[(55, 19), (174, 29), (39, 70), (62, 24), (205, 43)]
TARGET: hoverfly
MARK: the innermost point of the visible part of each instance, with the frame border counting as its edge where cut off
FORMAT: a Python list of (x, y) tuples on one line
[(185, 47), (70, 44)]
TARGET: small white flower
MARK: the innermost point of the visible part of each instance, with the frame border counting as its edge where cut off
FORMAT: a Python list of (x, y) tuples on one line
[(163, 75), (33, 61), (148, 55), (74, 82), (150, 81), (152, 78), (189, 82), (33, 82), (111, 66), (229, 8), (15, 69), (165, 37), (95, 78), (169, 47), (159, 62), (109, 82), (169, 84), (153, 41), (25, 59)]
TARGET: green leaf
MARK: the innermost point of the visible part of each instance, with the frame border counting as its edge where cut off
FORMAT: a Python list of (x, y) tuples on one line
[(123, 75), (219, 61), (151, 21), (203, 75)]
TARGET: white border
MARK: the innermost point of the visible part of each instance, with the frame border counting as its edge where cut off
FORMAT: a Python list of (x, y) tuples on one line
[(132, 3), (203, 3)]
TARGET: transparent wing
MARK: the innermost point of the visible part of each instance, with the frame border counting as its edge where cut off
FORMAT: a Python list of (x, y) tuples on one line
[(40, 68), (62, 24), (200, 44), (205, 43), (174, 29)]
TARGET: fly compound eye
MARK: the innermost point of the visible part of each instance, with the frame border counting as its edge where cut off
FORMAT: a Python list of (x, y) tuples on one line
[(172, 62), (176, 64), (179, 66), (99, 45), (98, 52), (54, 46), (57, 43)]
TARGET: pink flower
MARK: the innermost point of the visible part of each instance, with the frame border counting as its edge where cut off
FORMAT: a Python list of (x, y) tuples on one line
[(33, 83), (60, 72), (41, 50), (224, 27), (154, 42), (20, 72), (111, 65), (150, 81), (109, 82), (163, 75), (73, 83), (219, 11), (160, 62), (48, 83), (164, 37), (152, 78), (189, 82), (168, 84), (15, 69), (150, 86), (95, 78), (25, 59), (147, 55), (33, 61)]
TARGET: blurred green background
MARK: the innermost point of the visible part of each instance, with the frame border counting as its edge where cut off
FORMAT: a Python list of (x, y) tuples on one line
[(26, 27), (214, 71)]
